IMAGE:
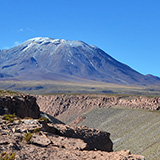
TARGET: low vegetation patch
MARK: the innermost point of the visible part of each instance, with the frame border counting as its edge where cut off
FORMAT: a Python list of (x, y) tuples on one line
[(7, 156), (28, 118), (9, 117), (4, 93), (44, 119), (28, 136), (36, 130)]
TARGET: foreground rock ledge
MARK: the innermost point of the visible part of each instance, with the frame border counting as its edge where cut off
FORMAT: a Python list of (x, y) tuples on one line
[(57, 142)]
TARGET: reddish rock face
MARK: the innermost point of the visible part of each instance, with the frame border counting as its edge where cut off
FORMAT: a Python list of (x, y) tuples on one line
[(64, 106), (22, 106)]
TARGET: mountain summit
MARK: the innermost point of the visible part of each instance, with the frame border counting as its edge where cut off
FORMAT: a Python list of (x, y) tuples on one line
[(58, 59)]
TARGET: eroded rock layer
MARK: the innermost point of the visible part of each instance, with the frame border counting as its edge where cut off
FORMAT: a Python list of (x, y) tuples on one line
[(64, 106)]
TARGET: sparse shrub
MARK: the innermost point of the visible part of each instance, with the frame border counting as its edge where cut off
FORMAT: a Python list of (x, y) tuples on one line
[(9, 156), (44, 118), (12, 156), (20, 121), (12, 115), (3, 154), (36, 130), (28, 118), (28, 137), (9, 117), (4, 92), (20, 139), (11, 120)]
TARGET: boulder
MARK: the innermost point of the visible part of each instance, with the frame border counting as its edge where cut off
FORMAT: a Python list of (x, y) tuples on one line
[(95, 139), (40, 140)]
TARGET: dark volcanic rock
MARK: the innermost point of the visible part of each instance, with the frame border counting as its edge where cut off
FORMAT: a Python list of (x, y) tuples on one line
[(22, 106)]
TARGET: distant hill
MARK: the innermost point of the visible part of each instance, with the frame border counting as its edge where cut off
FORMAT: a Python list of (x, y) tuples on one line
[(58, 59)]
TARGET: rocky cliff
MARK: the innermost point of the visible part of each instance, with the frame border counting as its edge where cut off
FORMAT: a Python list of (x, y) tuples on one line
[(65, 106)]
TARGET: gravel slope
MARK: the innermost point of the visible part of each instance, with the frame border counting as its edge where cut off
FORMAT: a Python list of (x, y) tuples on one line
[(136, 130)]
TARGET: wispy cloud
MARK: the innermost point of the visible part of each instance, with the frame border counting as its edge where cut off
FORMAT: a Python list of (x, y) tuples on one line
[(5, 47), (16, 43), (21, 30), (29, 29)]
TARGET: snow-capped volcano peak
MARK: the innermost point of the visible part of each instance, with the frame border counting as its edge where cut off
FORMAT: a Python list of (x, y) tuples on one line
[(46, 58), (39, 39), (44, 40)]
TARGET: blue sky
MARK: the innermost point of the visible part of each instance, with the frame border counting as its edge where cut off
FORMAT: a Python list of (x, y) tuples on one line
[(128, 30)]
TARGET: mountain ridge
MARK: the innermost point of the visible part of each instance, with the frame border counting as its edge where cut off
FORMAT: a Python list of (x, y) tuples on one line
[(59, 59)]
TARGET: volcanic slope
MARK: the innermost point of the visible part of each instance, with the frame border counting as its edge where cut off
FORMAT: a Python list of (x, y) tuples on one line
[(58, 59)]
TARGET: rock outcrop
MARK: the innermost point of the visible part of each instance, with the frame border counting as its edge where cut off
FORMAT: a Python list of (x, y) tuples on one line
[(94, 138), (65, 106), (22, 106), (30, 139)]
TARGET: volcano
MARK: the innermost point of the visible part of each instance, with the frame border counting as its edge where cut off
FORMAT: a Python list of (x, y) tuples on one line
[(58, 59)]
